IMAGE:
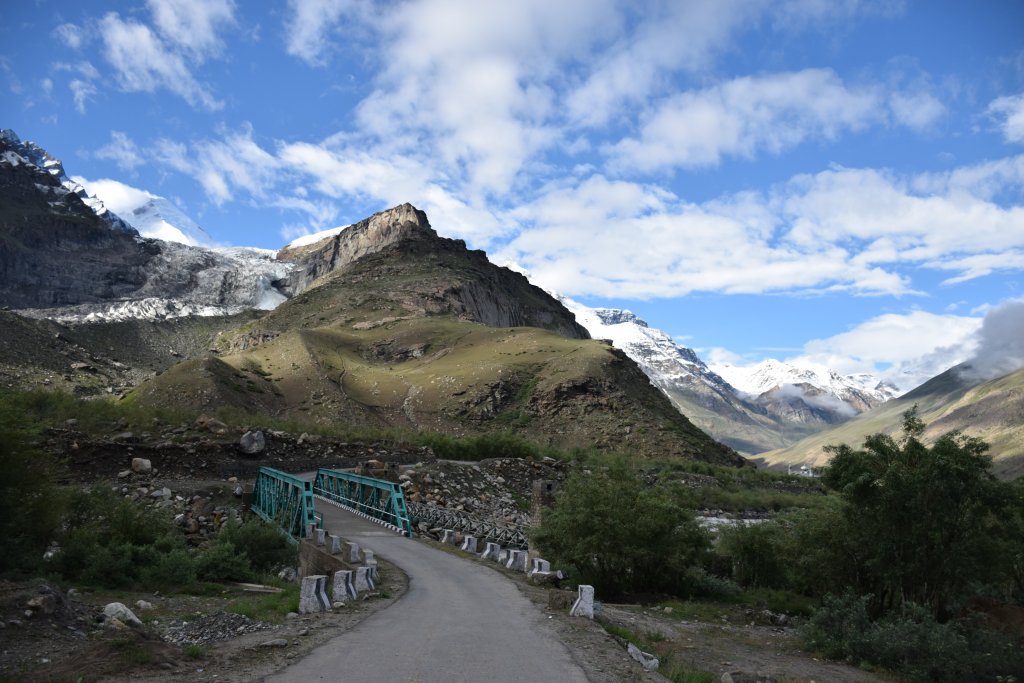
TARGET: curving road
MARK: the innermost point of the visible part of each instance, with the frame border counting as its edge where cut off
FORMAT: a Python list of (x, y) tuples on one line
[(459, 622)]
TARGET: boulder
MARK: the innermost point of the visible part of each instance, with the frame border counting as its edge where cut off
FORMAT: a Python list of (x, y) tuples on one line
[(141, 465), (118, 610), (252, 443)]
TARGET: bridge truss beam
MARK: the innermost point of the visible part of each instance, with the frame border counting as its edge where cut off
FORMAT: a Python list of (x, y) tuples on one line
[(285, 501), (376, 498)]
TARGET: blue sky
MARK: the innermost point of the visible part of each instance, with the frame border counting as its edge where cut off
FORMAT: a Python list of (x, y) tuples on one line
[(836, 181)]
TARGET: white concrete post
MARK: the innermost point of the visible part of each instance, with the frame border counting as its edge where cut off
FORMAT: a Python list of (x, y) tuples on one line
[(363, 580), (469, 544), (343, 589), (321, 537), (449, 537), (334, 547), (353, 552), (491, 552), (584, 605), (313, 595)]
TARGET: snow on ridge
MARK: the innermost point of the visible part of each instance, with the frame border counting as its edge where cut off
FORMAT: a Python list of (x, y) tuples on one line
[(755, 380), (313, 238)]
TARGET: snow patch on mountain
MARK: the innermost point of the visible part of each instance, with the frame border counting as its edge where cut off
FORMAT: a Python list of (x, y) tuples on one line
[(152, 215), (315, 237), (755, 380)]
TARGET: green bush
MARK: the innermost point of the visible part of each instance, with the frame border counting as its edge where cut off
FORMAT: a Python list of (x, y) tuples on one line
[(924, 524), (223, 562), (756, 554), (31, 505), (620, 536), (912, 642), (174, 568), (265, 546)]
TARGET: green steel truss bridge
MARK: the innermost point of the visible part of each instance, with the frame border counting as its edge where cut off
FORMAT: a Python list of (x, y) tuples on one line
[(285, 501), (288, 501), (375, 499)]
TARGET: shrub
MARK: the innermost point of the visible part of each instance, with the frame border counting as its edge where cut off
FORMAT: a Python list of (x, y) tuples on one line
[(265, 546), (30, 504), (222, 562), (912, 642), (175, 568), (755, 551), (620, 536)]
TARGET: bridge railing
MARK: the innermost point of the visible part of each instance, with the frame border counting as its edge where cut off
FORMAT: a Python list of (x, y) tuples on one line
[(286, 501), (377, 498), (485, 528)]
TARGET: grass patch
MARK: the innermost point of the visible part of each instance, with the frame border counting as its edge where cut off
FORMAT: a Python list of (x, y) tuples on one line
[(270, 607), (195, 651)]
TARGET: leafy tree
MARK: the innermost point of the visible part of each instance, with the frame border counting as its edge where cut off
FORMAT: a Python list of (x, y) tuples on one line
[(926, 523), (620, 536)]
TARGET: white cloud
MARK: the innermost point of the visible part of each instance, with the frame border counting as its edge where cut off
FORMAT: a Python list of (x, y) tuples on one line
[(71, 35), (83, 86), (917, 110), (1009, 113), (905, 349), (471, 86), (745, 116), (1000, 341), (311, 23), (224, 166), (193, 24), (120, 198), (855, 230), (121, 150), (144, 63)]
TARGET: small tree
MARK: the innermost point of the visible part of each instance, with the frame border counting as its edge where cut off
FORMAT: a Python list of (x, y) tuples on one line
[(927, 521), (620, 536)]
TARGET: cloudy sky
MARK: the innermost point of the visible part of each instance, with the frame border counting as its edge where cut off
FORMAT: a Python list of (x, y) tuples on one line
[(837, 179)]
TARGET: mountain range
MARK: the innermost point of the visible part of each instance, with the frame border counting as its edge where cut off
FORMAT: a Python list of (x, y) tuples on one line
[(755, 409), (383, 323)]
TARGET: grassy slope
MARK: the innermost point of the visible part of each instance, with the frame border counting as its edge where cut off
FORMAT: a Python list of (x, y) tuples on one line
[(442, 374), (993, 411)]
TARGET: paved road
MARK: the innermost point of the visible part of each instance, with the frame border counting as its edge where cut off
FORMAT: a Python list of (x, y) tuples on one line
[(459, 622)]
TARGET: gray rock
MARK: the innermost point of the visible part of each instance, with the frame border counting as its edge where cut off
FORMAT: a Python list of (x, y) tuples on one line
[(648, 661), (118, 611), (252, 443), (141, 465), (276, 642), (143, 605)]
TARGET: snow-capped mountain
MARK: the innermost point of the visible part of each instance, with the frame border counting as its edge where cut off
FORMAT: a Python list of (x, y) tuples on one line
[(770, 374), (24, 153), (115, 273), (662, 359), (150, 214), (752, 409)]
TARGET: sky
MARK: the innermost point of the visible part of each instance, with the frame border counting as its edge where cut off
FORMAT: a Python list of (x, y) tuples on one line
[(839, 181)]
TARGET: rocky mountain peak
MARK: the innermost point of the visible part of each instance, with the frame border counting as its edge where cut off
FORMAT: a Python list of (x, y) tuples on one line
[(368, 236)]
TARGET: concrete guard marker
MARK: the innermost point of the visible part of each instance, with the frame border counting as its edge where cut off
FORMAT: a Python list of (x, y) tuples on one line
[(469, 544), (449, 537), (343, 589), (584, 605), (539, 566), (363, 580), (353, 552), (371, 562), (335, 545), (516, 560), (491, 552), (321, 537), (313, 595)]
